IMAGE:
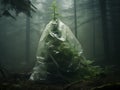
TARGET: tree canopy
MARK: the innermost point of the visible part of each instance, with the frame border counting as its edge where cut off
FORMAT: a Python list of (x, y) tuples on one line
[(19, 6)]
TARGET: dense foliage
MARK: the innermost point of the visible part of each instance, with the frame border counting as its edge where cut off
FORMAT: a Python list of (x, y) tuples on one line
[(24, 6), (64, 60)]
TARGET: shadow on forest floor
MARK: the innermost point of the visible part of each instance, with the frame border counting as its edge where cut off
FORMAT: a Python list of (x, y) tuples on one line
[(21, 82)]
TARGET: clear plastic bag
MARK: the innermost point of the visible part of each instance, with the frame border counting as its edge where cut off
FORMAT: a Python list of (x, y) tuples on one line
[(59, 54)]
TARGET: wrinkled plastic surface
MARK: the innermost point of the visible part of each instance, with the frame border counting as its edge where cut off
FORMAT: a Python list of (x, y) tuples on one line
[(59, 54)]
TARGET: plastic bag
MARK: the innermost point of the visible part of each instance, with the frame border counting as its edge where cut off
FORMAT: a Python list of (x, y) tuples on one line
[(59, 54)]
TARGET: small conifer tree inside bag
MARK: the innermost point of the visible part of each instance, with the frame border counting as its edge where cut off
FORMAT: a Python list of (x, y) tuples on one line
[(59, 55)]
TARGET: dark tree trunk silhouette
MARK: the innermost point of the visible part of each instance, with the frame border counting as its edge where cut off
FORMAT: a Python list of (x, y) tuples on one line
[(111, 29), (27, 39), (105, 30), (115, 18), (75, 17), (94, 29)]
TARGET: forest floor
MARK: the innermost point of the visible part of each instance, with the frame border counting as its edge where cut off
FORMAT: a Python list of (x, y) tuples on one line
[(21, 82)]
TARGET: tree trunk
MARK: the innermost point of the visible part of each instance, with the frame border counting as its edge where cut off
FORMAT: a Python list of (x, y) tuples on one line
[(105, 30), (27, 39), (75, 17), (115, 18), (94, 37)]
